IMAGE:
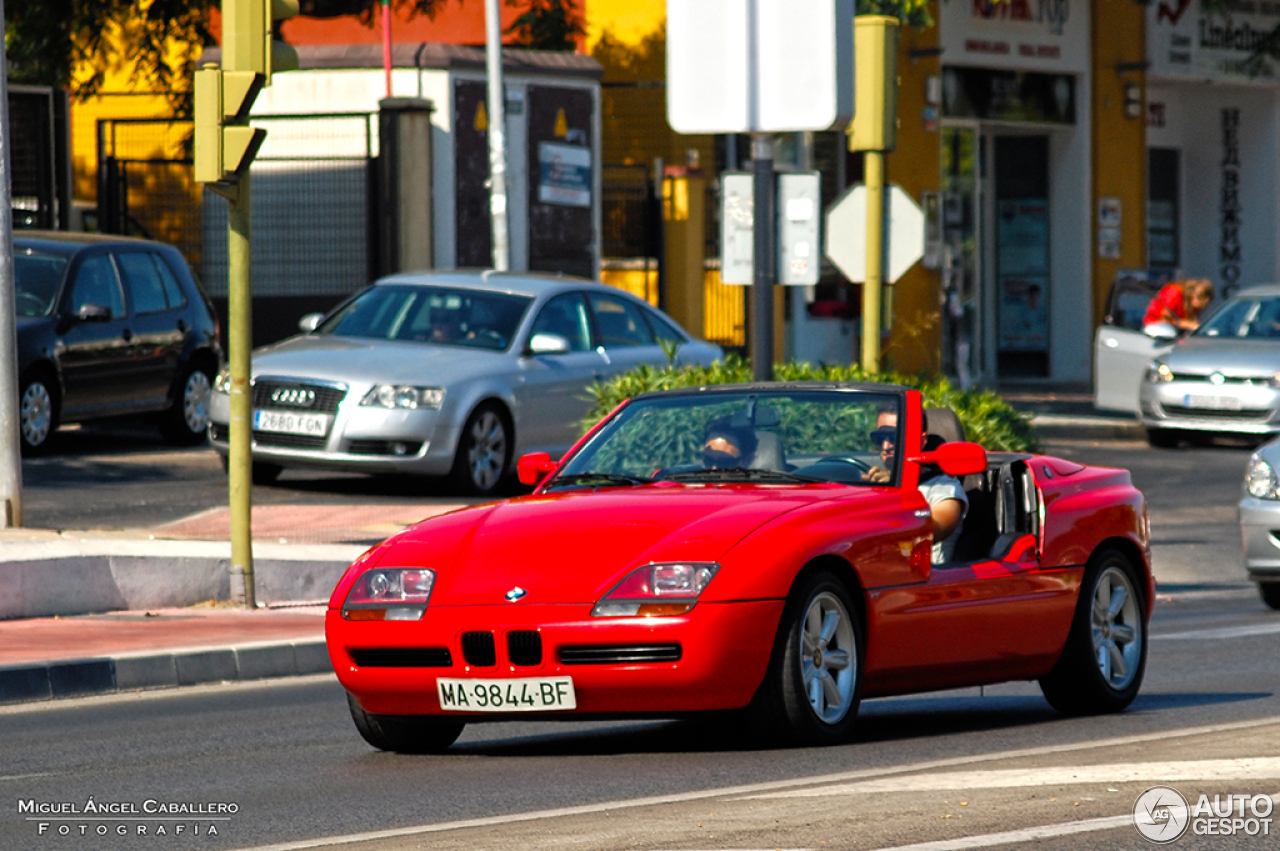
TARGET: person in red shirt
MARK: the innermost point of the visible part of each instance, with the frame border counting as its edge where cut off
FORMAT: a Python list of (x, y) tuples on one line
[(1180, 303)]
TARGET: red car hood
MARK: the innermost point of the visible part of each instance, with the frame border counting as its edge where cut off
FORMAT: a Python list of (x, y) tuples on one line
[(573, 547)]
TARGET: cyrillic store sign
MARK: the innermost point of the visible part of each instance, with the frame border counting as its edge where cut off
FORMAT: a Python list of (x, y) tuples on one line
[(1184, 40)]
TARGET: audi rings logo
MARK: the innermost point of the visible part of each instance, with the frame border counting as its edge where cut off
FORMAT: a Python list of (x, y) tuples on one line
[(295, 397), (1161, 814)]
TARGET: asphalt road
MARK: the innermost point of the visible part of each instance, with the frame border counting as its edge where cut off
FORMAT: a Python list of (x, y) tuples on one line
[(996, 766)]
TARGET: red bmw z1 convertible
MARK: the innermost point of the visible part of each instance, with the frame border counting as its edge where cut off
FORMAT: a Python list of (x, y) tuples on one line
[(653, 572)]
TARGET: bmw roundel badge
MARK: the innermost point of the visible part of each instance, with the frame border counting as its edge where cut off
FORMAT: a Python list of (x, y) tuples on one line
[(515, 594)]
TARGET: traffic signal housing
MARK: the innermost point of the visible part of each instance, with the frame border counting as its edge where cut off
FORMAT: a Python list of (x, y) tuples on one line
[(248, 37)]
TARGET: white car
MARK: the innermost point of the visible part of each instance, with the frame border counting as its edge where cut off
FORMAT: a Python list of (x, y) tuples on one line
[(446, 373)]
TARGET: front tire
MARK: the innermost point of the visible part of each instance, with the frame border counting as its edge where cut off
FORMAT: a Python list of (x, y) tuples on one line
[(1105, 656), (813, 687), (38, 411), (405, 733), (1163, 438), (1270, 593), (484, 451), (186, 422)]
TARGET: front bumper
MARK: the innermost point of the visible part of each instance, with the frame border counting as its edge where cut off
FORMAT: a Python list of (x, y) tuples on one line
[(1202, 406), (725, 649), (360, 439), (1260, 536)]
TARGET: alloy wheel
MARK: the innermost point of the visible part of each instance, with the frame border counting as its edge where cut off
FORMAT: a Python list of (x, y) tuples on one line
[(487, 452), (1117, 628), (36, 414), (828, 657), (195, 402)]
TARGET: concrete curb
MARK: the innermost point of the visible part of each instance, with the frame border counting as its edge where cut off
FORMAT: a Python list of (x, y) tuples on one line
[(1060, 427), (70, 678)]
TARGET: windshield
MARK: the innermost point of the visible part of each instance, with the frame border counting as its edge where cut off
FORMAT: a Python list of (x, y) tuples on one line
[(785, 437), (1244, 318), (38, 277), (443, 315)]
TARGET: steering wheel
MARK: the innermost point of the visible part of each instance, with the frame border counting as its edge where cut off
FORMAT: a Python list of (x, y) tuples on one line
[(36, 304), (845, 459)]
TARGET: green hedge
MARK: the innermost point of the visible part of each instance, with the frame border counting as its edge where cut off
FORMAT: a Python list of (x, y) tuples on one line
[(988, 419)]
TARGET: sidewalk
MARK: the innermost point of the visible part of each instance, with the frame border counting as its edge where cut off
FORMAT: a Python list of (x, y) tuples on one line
[(1066, 412), (104, 612)]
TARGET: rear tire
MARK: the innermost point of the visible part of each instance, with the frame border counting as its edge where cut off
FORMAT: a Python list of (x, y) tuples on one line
[(186, 422), (39, 407), (405, 733), (1105, 656), (265, 474), (1163, 438), (813, 687), (1270, 593), (484, 451)]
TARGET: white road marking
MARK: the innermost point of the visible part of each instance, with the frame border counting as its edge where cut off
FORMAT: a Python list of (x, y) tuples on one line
[(1251, 768), (1222, 632), (1048, 831), (25, 776), (757, 788)]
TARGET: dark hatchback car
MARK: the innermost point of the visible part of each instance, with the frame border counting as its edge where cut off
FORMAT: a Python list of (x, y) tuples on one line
[(110, 326)]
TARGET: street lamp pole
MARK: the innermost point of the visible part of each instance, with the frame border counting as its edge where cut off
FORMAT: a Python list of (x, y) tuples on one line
[(497, 137)]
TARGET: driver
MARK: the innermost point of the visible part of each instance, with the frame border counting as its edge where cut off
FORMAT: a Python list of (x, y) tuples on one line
[(948, 503), (726, 446)]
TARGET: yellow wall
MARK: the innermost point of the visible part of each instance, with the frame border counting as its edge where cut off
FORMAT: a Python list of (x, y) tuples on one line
[(915, 341), (1119, 142)]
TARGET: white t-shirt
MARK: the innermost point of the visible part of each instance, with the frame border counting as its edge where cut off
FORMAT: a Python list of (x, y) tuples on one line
[(935, 490)]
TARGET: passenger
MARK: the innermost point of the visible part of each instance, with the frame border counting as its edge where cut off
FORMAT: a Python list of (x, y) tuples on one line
[(726, 446), (948, 503), (1180, 304)]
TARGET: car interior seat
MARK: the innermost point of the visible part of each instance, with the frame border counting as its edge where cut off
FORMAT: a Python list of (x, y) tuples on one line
[(769, 454)]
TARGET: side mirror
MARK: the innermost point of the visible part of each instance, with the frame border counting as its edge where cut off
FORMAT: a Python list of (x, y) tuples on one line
[(548, 344), (1160, 331), (534, 467), (310, 322), (956, 459), (93, 313)]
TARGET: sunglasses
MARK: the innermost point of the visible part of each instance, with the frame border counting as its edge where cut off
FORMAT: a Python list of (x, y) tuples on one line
[(884, 435)]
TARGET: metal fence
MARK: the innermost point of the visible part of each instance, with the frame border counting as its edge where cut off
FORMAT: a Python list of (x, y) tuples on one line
[(632, 233), (145, 186), (310, 208)]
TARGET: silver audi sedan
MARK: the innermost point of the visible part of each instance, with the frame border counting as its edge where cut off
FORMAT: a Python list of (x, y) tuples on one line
[(1223, 377), (446, 373)]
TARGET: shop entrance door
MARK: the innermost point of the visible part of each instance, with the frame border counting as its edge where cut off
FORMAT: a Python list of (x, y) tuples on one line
[(1020, 226), (962, 238)]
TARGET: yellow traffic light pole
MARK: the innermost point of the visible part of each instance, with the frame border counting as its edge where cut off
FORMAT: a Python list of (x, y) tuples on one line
[(875, 126), (224, 148)]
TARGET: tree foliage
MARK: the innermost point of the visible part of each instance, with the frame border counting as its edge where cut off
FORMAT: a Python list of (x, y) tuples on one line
[(912, 13), (547, 25)]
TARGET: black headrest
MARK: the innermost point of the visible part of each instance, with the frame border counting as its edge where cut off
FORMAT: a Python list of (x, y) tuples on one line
[(944, 423)]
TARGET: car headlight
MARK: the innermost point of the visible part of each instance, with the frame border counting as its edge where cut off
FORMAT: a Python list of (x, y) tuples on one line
[(222, 384), (1159, 372), (1260, 479), (657, 590), (389, 594), (403, 396)]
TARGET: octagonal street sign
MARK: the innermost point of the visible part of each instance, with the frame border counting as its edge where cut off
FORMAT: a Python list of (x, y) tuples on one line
[(847, 233)]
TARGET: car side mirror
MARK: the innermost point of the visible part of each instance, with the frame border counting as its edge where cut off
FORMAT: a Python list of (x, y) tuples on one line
[(956, 459), (93, 313), (1160, 331), (534, 467), (310, 322), (548, 344)]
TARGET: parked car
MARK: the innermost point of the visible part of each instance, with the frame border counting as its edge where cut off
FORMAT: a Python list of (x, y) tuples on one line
[(1222, 377), (1260, 520), (108, 326), (446, 373), (1122, 350), (642, 578)]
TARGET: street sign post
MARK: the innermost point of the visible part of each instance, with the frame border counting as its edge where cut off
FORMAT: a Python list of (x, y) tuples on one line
[(846, 237), (735, 66)]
